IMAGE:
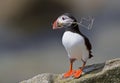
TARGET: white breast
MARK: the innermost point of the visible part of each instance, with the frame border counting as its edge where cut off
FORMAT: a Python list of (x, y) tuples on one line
[(75, 45)]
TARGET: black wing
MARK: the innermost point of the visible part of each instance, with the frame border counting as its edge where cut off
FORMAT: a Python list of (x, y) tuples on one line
[(88, 45)]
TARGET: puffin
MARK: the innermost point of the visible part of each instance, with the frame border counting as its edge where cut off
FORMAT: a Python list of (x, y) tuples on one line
[(76, 44)]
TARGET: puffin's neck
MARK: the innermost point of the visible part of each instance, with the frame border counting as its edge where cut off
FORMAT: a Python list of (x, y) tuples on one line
[(73, 28)]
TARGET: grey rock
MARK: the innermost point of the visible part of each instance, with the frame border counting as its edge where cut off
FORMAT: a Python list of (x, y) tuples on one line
[(108, 72)]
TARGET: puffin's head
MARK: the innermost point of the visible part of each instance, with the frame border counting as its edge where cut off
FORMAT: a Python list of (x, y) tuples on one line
[(63, 21)]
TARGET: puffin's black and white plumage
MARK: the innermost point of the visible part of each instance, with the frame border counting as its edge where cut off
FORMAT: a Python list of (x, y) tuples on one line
[(76, 44)]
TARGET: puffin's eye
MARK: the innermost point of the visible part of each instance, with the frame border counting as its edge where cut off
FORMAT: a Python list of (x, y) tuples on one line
[(63, 18)]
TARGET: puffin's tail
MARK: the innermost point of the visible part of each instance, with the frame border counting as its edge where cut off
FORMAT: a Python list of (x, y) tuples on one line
[(90, 55)]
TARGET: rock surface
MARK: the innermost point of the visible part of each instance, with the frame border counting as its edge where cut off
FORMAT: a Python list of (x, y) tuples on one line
[(108, 72)]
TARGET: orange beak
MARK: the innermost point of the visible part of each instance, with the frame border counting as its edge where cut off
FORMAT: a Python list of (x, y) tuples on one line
[(55, 25)]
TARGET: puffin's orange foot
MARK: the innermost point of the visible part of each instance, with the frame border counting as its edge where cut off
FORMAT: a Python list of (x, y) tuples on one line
[(68, 74), (77, 73)]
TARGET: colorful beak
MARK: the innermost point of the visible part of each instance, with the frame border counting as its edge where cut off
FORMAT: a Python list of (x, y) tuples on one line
[(55, 25)]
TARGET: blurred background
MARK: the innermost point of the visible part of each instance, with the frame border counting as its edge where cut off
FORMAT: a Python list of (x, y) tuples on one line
[(29, 46)]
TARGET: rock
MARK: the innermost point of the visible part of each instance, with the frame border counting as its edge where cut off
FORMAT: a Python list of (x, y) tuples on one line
[(42, 78), (108, 72)]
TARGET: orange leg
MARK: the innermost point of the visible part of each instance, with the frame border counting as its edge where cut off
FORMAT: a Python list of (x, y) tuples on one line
[(71, 71), (78, 72)]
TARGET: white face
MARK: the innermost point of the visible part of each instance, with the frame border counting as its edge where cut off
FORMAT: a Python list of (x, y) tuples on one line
[(64, 21)]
